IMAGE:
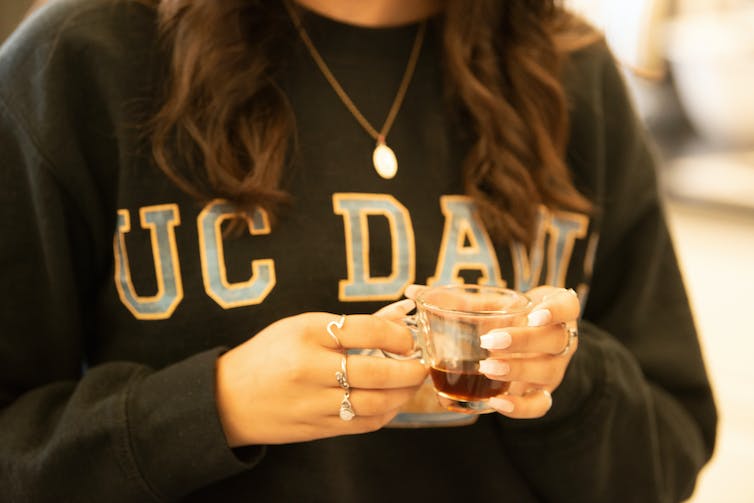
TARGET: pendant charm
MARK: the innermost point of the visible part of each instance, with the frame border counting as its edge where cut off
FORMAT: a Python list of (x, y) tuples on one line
[(346, 410), (385, 162)]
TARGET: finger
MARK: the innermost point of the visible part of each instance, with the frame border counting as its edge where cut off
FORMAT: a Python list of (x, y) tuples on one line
[(413, 290), (363, 331), (530, 405), (367, 403), (550, 339), (542, 371), (559, 306), (370, 372), (396, 310), (539, 293)]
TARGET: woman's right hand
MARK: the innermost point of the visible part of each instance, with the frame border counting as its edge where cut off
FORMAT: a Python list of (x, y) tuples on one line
[(280, 385)]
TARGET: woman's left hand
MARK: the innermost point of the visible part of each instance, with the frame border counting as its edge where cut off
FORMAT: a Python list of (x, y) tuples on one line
[(533, 358)]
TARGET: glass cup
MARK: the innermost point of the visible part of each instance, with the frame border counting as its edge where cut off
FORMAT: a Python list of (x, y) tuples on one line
[(448, 325)]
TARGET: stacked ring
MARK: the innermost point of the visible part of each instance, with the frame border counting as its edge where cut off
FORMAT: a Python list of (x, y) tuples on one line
[(572, 335), (346, 409)]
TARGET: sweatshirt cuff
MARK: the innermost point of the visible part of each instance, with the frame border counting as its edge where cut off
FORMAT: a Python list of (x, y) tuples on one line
[(176, 437)]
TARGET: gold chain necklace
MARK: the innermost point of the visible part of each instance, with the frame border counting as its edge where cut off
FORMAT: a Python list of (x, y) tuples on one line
[(383, 157)]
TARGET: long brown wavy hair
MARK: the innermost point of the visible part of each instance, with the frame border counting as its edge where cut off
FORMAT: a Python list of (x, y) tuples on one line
[(502, 61)]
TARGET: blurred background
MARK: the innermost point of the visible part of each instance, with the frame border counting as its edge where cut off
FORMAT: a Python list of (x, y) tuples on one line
[(689, 65)]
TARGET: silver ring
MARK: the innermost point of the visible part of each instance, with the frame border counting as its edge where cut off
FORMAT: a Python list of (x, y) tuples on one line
[(346, 409), (342, 375), (338, 324), (572, 335)]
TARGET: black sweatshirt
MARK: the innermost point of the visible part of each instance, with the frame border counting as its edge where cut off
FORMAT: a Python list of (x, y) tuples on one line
[(119, 291)]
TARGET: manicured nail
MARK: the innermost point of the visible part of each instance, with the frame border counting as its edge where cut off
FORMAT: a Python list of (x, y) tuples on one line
[(496, 339), (501, 404), (539, 318), (494, 367)]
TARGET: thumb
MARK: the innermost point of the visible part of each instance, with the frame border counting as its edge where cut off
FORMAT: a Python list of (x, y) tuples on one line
[(397, 310)]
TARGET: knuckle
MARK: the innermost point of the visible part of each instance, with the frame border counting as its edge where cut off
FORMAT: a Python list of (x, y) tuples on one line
[(309, 328)]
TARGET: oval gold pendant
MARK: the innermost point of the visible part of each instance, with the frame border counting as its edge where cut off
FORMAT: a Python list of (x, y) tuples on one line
[(385, 162)]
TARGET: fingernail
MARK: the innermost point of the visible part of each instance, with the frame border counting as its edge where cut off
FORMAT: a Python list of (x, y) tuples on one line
[(494, 367), (539, 317), (548, 396), (501, 404), (496, 339)]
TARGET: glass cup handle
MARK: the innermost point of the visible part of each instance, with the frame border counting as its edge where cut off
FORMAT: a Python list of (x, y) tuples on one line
[(412, 322)]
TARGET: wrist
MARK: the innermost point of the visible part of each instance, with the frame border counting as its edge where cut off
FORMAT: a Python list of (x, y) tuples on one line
[(225, 401)]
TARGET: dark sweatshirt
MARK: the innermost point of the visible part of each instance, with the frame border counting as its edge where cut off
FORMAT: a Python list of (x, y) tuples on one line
[(118, 291)]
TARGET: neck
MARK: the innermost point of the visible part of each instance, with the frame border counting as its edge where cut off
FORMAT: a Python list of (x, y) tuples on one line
[(374, 13)]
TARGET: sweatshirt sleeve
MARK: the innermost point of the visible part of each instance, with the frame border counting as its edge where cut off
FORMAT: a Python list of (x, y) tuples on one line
[(118, 431), (635, 418)]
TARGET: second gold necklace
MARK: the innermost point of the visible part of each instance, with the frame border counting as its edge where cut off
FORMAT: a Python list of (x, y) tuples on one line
[(383, 157)]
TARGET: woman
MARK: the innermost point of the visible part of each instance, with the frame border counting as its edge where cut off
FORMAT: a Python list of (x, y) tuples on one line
[(193, 191)]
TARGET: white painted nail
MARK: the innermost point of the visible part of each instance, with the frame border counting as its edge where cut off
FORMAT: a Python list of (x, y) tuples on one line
[(496, 339), (539, 318), (494, 367), (502, 404)]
